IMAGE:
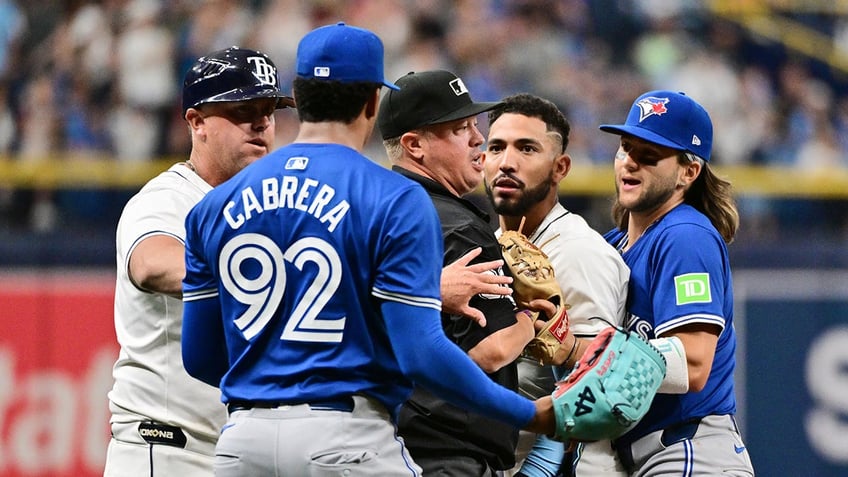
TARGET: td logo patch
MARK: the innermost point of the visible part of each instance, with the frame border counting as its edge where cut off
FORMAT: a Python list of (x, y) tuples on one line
[(692, 288)]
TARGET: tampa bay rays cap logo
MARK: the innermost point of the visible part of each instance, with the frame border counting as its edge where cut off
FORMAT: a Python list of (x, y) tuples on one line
[(458, 87), (651, 106), (263, 71)]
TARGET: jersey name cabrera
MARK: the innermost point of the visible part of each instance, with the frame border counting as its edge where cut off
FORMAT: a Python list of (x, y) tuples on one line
[(307, 195)]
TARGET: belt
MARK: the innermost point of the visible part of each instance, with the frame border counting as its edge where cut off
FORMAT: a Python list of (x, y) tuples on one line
[(670, 435), (343, 404)]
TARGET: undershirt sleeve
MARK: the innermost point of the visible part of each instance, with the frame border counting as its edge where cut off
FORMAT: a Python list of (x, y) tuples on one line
[(431, 360)]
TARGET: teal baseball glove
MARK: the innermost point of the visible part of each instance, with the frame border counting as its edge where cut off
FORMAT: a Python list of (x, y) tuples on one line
[(610, 388)]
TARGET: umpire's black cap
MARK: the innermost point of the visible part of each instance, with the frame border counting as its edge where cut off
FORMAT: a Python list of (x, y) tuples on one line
[(233, 74), (425, 98)]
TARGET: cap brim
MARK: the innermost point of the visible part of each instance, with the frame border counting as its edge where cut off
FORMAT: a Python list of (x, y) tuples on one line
[(466, 111), (247, 94), (641, 133), (390, 85)]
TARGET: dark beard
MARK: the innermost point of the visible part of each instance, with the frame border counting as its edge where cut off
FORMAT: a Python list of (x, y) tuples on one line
[(525, 201)]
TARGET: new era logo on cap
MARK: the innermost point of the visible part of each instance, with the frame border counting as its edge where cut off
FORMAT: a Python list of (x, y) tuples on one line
[(322, 72)]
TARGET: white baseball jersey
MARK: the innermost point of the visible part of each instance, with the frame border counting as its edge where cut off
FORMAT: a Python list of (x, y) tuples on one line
[(593, 278), (591, 273), (150, 381)]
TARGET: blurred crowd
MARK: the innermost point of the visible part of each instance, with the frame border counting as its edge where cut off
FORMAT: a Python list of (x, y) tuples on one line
[(103, 78)]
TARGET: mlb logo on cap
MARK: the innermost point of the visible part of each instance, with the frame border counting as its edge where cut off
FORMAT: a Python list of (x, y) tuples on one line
[(669, 119), (458, 87), (342, 53)]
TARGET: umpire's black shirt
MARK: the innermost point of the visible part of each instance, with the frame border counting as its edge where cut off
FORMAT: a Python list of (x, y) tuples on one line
[(430, 426)]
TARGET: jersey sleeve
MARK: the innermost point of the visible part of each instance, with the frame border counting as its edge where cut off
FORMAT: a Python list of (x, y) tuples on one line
[(689, 264), (409, 251), (153, 212), (199, 282)]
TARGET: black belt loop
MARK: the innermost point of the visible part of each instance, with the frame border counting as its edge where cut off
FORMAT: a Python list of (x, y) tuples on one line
[(670, 435), (680, 432), (343, 404), (735, 424), (625, 455)]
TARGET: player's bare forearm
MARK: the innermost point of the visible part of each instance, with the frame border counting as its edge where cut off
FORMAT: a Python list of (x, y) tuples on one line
[(503, 346), (570, 351), (461, 281), (158, 265), (700, 341)]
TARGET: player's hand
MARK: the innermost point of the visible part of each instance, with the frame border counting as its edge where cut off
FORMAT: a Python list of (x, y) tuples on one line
[(546, 310), (461, 281), (544, 421)]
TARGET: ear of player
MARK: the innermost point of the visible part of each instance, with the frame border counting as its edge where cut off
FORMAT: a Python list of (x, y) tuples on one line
[(610, 388)]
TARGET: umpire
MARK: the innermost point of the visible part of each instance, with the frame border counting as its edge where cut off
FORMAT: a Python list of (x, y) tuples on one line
[(429, 129)]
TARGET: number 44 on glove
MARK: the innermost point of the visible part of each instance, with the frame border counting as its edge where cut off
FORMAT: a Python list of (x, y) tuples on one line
[(610, 388)]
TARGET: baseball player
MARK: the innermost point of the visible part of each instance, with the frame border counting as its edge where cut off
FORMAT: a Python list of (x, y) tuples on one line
[(311, 295), (164, 422), (673, 218), (526, 159)]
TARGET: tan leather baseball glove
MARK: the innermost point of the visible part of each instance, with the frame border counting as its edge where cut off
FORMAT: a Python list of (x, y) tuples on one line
[(533, 279)]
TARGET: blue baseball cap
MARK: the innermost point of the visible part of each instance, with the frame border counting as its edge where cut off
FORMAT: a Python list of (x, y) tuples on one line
[(669, 119), (342, 53)]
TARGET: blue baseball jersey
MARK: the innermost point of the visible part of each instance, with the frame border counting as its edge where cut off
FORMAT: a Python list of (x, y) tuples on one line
[(680, 275), (299, 249)]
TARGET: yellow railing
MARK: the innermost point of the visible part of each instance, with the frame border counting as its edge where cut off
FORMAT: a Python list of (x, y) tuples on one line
[(77, 173), (746, 180), (761, 18), (584, 179)]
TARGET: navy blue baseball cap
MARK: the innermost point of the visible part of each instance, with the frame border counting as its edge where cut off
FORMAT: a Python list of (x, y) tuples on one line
[(232, 74), (341, 53), (669, 119)]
